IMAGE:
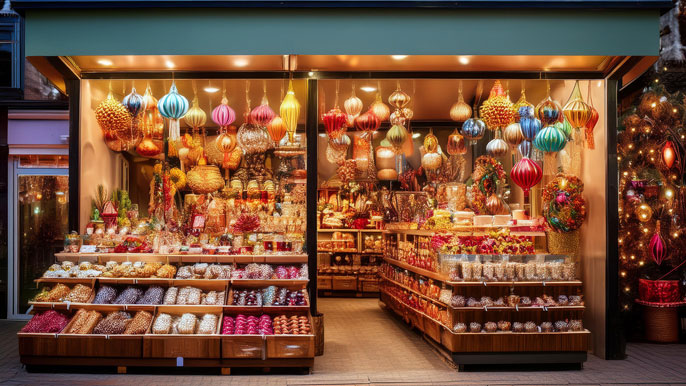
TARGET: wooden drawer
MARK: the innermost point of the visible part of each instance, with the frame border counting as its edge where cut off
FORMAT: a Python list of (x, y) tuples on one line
[(324, 282), (36, 344), (243, 346), (91, 345), (370, 286), (345, 283), (290, 346), (187, 346)]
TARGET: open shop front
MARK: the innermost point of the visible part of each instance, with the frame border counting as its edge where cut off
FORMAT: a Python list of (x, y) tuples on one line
[(221, 190)]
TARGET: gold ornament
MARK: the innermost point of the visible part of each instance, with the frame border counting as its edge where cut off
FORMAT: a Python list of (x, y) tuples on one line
[(396, 136), (576, 110), (644, 212), (195, 117), (456, 144), (399, 98), (432, 161), (460, 111), (380, 109), (290, 111), (430, 142), (497, 110), (276, 129), (112, 115), (513, 134)]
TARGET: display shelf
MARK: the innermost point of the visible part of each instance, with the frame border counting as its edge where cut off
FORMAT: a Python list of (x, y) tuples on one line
[(422, 314), (182, 258), (465, 231), (421, 295), (571, 283), (420, 271), (520, 309)]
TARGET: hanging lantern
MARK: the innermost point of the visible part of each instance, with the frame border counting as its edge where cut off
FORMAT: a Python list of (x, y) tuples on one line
[(262, 114), (456, 144), (513, 134), (522, 103), (290, 111), (525, 148), (497, 148), (223, 115), (460, 111), (430, 142), (353, 107), (566, 128), (549, 112), (668, 154), (399, 98), (173, 106), (195, 117), (526, 174), (380, 109), (658, 248), (550, 140), (276, 129), (497, 111), (367, 122), (590, 125), (252, 138), (396, 136), (530, 126), (334, 122), (153, 123), (112, 116), (576, 110)]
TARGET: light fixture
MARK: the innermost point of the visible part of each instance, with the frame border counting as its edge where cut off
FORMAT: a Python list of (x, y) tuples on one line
[(368, 88), (311, 73), (169, 64), (105, 62), (398, 57), (463, 60), (415, 135), (211, 89), (240, 62)]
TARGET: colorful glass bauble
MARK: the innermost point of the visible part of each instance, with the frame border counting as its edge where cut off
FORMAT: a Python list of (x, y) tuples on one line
[(566, 128), (522, 103), (590, 125), (644, 212), (526, 111), (276, 129), (367, 122), (380, 109), (576, 111), (341, 143), (460, 111), (112, 116), (473, 129), (513, 134), (657, 246), (173, 106), (262, 114), (432, 161), (668, 154), (549, 112), (526, 173), (226, 142), (530, 126), (334, 122), (456, 144), (399, 98), (290, 112), (550, 140), (497, 148), (134, 103), (152, 122), (397, 118), (353, 106), (497, 111), (195, 117), (252, 138), (223, 115), (397, 135), (430, 142), (495, 205), (525, 148), (407, 112)]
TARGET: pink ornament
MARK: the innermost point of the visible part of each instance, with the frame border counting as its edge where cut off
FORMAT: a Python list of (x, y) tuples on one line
[(223, 115), (658, 249), (262, 114)]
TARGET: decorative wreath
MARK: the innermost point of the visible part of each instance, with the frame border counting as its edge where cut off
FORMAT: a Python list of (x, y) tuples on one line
[(564, 207), (487, 173)]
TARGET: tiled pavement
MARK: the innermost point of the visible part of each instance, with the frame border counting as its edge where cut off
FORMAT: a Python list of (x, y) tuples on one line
[(365, 345)]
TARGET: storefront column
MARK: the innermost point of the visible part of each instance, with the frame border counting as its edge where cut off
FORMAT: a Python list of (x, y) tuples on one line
[(312, 136), (74, 93)]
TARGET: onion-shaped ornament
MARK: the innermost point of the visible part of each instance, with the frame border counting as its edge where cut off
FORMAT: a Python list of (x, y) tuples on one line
[(430, 142), (397, 135), (495, 205), (341, 143), (576, 111), (522, 103), (497, 148), (334, 122), (657, 246), (530, 126), (195, 117), (134, 103), (353, 106), (173, 106), (432, 161), (290, 112), (566, 128), (262, 114), (513, 134), (276, 129), (223, 115), (497, 111), (592, 121), (460, 111), (112, 116), (473, 129), (399, 98), (525, 148), (549, 112), (550, 140), (252, 138), (152, 121), (456, 144), (226, 142), (367, 122), (668, 154), (526, 174), (380, 109)]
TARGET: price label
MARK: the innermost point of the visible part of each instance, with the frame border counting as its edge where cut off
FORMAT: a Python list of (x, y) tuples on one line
[(87, 249)]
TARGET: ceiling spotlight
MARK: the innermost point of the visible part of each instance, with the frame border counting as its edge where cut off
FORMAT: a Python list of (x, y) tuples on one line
[(415, 135), (398, 57), (311, 73), (211, 89), (240, 62), (463, 59), (105, 62), (169, 64), (368, 88)]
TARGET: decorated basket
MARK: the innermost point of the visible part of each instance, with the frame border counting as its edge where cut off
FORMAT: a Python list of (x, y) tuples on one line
[(204, 179)]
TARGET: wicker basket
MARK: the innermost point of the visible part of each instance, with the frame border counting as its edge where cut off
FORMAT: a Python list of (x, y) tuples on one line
[(661, 324), (564, 243), (205, 179)]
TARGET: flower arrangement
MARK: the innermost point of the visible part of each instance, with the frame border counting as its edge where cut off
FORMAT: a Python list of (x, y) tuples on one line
[(564, 207)]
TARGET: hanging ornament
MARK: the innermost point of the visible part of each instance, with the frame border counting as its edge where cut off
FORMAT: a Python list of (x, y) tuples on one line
[(460, 111), (262, 114), (276, 129), (668, 154), (473, 129), (432, 161), (367, 122), (592, 121), (380, 109), (456, 144), (334, 122), (353, 107), (223, 115), (195, 117), (407, 113), (134, 103), (495, 205), (252, 138), (525, 148), (549, 112), (550, 140), (396, 136), (173, 106), (226, 142), (431, 142), (566, 128), (526, 174), (658, 248), (496, 148), (644, 212), (152, 122), (513, 134), (341, 143), (576, 111), (523, 103), (497, 111), (112, 117), (530, 126), (397, 118), (147, 147), (290, 111), (398, 98)]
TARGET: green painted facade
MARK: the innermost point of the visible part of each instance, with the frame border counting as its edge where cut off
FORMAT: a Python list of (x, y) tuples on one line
[(236, 31)]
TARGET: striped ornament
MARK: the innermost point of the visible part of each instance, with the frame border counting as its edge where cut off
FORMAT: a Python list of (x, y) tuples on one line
[(549, 111), (525, 148), (550, 140), (658, 249), (530, 126), (473, 129), (223, 115), (590, 125), (513, 134), (566, 128), (134, 103), (173, 106), (262, 114), (497, 148), (526, 174), (195, 117)]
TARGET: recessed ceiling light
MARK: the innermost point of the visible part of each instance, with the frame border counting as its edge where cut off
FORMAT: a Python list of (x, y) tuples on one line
[(211, 89), (368, 88), (169, 64), (240, 62), (105, 62), (398, 57), (415, 135), (463, 59), (311, 73)]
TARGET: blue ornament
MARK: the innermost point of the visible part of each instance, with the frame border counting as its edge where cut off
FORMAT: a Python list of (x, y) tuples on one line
[(525, 148), (530, 127), (134, 103), (526, 111), (473, 129), (550, 140)]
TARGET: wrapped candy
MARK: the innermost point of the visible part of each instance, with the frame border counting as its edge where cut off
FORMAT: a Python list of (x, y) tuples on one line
[(79, 294), (208, 324), (170, 295), (139, 324), (115, 323), (162, 324), (129, 295), (187, 323), (50, 321), (153, 295), (106, 295)]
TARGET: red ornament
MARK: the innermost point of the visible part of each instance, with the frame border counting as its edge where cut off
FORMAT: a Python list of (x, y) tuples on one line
[(367, 122), (658, 249), (668, 154), (334, 122), (526, 173), (262, 114), (590, 125)]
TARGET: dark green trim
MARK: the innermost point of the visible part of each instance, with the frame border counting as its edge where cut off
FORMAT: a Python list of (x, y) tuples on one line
[(270, 31)]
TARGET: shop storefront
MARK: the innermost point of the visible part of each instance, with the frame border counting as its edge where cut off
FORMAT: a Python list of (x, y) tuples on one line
[(458, 163)]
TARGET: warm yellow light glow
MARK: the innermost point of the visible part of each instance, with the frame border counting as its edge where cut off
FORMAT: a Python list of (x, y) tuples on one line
[(632, 257), (640, 263), (169, 64), (368, 88), (398, 57), (463, 60), (105, 62), (623, 273), (210, 89)]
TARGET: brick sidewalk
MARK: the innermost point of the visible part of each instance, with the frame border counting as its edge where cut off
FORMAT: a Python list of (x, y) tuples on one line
[(365, 345)]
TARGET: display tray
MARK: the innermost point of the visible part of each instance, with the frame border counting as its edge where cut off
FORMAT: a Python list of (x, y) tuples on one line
[(421, 295), (468, 230), (181, 258), (265, 308), (423, 272)]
